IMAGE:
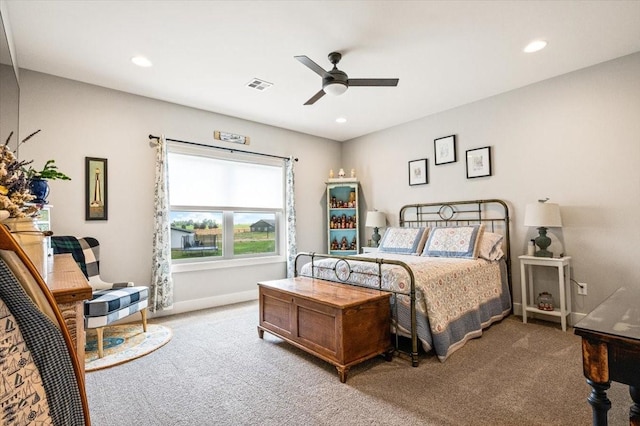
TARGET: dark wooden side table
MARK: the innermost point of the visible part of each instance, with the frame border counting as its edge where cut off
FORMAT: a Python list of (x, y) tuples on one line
[(611, 351)]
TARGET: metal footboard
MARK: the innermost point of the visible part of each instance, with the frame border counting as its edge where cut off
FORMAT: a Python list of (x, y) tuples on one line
[(342, 270)]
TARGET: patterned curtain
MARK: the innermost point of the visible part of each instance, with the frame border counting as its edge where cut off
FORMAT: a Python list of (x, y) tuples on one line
[(290, 214), (161, 291)]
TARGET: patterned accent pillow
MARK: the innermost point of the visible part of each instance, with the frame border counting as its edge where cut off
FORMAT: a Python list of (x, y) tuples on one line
[(23, 396), (454, 241), (402, 240), (49, 352), (490, 246)]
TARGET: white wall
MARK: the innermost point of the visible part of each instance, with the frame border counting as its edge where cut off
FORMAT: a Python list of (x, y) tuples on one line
[(80, 120), (573, 138)]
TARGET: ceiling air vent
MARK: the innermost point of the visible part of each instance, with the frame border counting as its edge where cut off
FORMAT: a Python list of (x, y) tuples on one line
[(259, 85)]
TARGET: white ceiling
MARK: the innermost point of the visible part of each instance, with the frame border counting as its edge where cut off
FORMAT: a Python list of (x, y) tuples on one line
[(445, 53)]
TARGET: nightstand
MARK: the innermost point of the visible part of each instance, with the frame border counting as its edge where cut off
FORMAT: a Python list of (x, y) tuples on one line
[(563, 264), (369, 249)]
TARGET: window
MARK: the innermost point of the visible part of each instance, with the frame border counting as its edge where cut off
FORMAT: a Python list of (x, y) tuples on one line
[(223, 207)]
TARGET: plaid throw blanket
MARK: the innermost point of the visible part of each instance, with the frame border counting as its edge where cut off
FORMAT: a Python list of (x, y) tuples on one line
[(70, 244)]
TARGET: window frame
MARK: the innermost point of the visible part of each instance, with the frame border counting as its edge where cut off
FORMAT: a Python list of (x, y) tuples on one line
[(228, 258)]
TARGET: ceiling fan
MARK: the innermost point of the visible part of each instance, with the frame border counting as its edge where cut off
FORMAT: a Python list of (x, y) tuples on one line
[(337, 82)]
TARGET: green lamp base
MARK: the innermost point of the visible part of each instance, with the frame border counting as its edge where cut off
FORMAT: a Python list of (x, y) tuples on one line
[(543, 253), (543, 242), (375, 237)]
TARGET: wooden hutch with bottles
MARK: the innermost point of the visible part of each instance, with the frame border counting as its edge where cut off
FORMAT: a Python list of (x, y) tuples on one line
[(342, 217)]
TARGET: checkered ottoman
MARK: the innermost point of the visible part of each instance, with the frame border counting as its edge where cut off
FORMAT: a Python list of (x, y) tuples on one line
[(107, 306)]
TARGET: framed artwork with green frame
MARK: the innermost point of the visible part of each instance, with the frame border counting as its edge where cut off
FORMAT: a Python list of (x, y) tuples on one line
[(96, 188)]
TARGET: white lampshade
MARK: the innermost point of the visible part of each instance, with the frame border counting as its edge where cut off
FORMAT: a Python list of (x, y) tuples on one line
[(335, 88), (545, 215), (375, 219)]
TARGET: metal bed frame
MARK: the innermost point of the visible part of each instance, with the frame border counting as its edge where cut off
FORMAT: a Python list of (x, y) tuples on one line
[(493, 213)]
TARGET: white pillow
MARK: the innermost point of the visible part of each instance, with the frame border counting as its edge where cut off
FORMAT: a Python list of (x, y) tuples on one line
[(454, 241), (490, 246)]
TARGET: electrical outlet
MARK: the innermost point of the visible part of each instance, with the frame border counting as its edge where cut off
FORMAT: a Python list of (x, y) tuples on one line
[(582, 289)]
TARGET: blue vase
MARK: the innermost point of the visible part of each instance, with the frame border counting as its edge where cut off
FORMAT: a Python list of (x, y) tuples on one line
[(40, 189)]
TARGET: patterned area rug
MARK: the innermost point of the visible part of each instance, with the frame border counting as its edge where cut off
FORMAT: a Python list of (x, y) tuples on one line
[(124, 343)]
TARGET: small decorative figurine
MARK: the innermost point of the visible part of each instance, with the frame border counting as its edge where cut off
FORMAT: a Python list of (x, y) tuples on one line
[(344, 245), (331, 175), (341, 173), (334, 244), (353, 173)]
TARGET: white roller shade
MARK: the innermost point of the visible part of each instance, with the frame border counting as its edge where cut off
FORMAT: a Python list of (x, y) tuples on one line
[(206, 181)]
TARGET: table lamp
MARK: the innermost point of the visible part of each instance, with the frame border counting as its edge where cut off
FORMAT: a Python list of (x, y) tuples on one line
[(543, 215), (375, 220)]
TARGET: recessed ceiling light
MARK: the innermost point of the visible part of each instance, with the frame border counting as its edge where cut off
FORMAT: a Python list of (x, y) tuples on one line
[(535, 45), (341, 120), (141, 61)]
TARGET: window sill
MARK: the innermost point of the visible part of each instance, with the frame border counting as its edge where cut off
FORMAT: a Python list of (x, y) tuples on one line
[(177, 268)]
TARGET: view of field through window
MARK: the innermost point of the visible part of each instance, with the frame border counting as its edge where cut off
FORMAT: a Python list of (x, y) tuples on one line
[(200, 233)]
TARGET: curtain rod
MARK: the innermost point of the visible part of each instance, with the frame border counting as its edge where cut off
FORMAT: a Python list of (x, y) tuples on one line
[(223, 148)]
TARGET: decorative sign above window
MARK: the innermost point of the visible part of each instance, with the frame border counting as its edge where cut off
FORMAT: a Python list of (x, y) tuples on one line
[(230, 137)]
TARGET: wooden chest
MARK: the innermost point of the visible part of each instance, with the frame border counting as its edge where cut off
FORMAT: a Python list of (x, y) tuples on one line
[(341, 324)]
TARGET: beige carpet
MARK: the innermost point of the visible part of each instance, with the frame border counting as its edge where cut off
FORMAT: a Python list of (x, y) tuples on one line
[(216, 370)]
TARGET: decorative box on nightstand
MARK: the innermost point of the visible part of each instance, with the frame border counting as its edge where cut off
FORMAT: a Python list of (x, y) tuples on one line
[(369, 249), (563, 264)]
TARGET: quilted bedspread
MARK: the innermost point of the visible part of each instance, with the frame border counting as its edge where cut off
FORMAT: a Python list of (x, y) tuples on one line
[(455, 298)]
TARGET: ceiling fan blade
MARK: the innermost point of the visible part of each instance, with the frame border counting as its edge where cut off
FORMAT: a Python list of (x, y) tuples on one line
[(315, 97), (373, 82), (313, 66)]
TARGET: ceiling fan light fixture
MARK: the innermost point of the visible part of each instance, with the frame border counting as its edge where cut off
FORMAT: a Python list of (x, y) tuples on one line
[(335, 81), (335, 88)]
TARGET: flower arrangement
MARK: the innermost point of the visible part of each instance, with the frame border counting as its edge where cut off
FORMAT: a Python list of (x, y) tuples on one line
[(14, 183)]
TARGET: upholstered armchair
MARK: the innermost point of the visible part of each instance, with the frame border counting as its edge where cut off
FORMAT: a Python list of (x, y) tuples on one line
[(110, 301), (42, 380)]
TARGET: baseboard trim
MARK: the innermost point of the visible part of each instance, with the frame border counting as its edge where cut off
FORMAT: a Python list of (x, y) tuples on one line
[(207, 302)]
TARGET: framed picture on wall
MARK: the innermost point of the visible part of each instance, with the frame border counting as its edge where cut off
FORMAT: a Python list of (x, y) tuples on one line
[(96, 188), (418, 172), (445, 150), (479, 162)]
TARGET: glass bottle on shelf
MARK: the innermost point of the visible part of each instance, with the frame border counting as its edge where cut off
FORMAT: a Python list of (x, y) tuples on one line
[(545, 301)]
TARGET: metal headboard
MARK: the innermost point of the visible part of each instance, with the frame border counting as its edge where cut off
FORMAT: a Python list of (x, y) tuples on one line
[(493, 213)]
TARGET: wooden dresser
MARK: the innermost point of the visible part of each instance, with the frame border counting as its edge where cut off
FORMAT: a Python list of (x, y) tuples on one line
[(341, 324), (70, 289)]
